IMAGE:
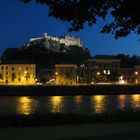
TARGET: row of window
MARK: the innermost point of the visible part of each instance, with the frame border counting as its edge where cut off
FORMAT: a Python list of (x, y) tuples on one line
[(104, 66), (12, 68)]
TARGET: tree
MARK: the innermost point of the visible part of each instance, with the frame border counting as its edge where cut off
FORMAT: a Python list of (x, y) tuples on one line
[(125, 14)]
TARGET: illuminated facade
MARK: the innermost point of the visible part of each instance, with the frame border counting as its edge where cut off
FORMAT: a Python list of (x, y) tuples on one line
[(53, 42), (65, 74), (17, 74), (136, 74), (97, 67)]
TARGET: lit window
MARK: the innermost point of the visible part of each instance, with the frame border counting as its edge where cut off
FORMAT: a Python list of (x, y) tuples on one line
[(104, 71), (108, 72)]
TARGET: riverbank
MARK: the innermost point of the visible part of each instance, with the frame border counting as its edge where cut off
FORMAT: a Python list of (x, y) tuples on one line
[(54, 119), (47, 90), (117, 131)]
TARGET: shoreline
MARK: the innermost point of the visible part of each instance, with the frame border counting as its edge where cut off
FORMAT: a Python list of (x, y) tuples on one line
[(121, 131), (70, 90)]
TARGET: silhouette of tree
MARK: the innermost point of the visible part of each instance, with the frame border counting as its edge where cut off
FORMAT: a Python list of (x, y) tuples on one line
[(125, 14)]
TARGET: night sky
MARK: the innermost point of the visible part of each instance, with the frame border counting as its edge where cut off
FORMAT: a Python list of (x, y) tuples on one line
[(19, 22)]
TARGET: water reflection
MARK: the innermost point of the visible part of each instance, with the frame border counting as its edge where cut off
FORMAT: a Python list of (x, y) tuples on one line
[(91, 104), (26, 105), (98, 103), (122, 101), (56, 103), (135, 101), (78, 99)]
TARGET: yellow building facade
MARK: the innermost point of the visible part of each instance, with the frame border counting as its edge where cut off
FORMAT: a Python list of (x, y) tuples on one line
[(65, 74), (17, 74)]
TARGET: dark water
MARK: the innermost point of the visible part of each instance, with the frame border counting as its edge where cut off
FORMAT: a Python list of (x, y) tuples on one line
[(95, 104)]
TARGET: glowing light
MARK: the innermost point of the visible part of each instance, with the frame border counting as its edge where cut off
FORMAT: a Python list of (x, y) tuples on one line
[(56, 103), (122, 99), (136, 73), (98, 102), (25, 105), (108, 72), (104, 71), (98, 73), (135, 101), (56, 73), (122, 81), (78, 99)]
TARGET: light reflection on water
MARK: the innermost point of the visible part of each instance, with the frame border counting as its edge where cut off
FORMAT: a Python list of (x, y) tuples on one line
[(135, 101), (122, 101), (98, 103), (56, 103), (27, 105)]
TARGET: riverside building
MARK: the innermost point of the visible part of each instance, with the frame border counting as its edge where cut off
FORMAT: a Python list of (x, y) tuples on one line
[(17, 73), (65, 74)]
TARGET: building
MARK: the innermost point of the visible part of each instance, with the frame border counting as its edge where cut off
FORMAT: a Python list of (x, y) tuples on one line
[(97, 67), (55, 43), (71, 40), (136, 75), (65, 74), (17, 74), (126, 74)]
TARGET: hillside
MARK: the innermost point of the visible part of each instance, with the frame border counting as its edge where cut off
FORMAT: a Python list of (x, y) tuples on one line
[(44, 57)]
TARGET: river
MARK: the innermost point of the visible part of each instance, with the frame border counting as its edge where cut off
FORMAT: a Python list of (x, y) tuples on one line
[(88, 104)]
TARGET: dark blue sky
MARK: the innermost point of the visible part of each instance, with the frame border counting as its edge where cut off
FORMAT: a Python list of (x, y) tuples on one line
[(19, 22)]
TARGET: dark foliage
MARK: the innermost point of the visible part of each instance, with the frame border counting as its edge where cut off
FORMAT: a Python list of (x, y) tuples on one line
[(125, 14), (128, 61), (44, 57)]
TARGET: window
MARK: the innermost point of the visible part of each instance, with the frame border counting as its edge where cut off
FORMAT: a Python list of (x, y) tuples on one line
[(6, 67), (26, 68), (13, 68), (19, 79), (2, 67), (6, 73)]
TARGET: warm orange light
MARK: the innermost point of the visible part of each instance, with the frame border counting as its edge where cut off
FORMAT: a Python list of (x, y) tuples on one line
[(98, 73), (136, 73), (25, 105), (78, 99), (56, 103), (98, 103)]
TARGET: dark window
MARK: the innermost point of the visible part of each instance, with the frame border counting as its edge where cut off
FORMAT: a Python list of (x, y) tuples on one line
[(26, 68), (13, 68), (12, 79), (2, 67), (19, 79), (6, 73), (6, 67)]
